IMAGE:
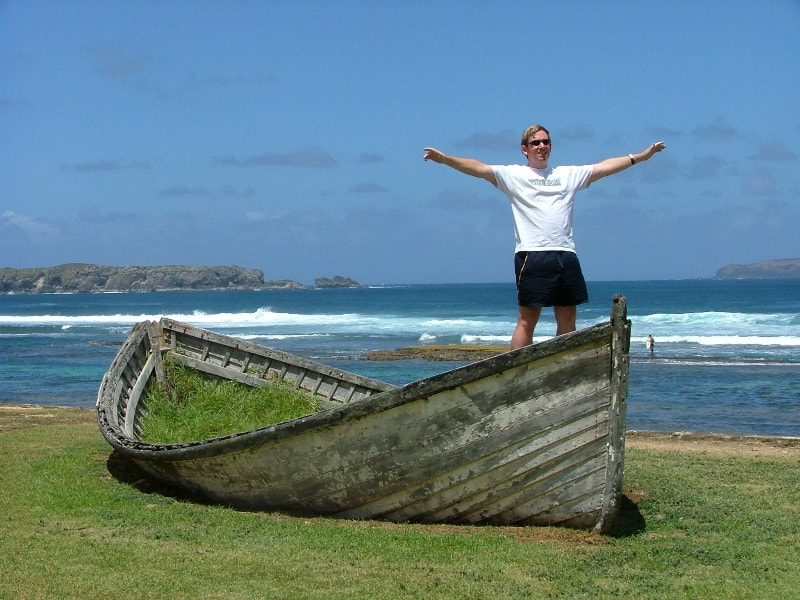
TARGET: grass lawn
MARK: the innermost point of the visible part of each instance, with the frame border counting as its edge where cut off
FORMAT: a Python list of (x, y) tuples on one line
[(214, 407), (702, 518)]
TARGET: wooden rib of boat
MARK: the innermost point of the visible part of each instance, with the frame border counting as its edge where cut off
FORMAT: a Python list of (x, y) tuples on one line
[(534, 436)]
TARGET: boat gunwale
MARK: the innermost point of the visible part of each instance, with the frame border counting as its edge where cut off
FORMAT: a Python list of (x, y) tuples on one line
[(249, 347)]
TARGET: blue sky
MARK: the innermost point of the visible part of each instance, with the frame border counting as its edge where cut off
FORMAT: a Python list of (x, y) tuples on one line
[(288, 136)]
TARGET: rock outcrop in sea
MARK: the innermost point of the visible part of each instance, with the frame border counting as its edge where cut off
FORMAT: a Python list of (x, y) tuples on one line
[(336, 282)]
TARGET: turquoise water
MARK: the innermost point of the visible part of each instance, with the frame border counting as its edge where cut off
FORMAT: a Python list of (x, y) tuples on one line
[(727, 353)]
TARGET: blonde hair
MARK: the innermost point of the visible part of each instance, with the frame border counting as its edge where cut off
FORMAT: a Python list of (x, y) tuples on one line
[(532, 130)]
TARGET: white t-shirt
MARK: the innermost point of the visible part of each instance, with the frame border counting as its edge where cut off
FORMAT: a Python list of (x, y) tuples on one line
[(541, 203)]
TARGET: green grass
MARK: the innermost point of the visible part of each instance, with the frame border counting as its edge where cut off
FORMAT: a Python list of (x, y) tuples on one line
[(702, 526), (205, 408)]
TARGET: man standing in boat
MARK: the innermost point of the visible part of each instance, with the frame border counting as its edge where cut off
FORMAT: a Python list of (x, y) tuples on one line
[(547, 269)]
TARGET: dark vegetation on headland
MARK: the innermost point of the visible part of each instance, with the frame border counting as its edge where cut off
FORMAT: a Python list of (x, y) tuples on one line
[(782, 268), (83, 278)]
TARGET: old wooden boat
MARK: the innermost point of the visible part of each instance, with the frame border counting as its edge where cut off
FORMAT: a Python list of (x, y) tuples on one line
[(532, 436)]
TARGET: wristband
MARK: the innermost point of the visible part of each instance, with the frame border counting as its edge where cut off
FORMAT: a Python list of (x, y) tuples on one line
[(633, 162)]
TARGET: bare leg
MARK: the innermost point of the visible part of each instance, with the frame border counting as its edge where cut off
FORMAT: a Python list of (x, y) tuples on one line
[(523, 333), (566, 317)]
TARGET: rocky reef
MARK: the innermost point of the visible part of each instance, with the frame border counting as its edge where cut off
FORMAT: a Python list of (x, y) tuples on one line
[(445, 353)]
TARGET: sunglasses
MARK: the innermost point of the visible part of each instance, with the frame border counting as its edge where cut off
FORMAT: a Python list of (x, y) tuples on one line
[(545, 141)]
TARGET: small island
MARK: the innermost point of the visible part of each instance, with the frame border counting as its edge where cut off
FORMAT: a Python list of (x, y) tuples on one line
[(782, 268), (73, 278), (336, 282)]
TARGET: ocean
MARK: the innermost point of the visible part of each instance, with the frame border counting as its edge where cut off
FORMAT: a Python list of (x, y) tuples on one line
[(726, 357)]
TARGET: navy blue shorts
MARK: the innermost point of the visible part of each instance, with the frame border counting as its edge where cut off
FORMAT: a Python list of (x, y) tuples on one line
[(549, 278)]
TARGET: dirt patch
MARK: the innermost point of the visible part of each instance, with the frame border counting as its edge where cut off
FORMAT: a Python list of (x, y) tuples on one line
[(715, 443), (523, 534), (20, 416)]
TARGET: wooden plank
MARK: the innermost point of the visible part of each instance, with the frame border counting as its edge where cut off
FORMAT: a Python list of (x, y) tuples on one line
[(184, 334), (253, 380), (120, 375), (475, 489), (620, 361), (139, 385), (433, 421)]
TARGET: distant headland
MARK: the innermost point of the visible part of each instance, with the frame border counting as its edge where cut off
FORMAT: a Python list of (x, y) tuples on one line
[(85, 278), (782, 268)]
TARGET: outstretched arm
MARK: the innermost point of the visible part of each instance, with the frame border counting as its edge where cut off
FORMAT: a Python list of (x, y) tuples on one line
[(614, 165), (470, 166)]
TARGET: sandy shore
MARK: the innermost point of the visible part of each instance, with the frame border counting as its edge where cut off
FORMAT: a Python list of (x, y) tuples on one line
[(20, 416), (715, 443)]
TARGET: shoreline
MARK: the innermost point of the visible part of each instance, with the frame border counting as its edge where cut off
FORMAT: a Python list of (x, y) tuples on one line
[(24, 416)]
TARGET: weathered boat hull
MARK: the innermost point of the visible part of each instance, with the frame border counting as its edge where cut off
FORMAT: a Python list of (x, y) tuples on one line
[(532, 436)]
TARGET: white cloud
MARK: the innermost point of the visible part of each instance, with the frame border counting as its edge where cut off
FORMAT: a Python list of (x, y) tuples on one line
[(32, 226)]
